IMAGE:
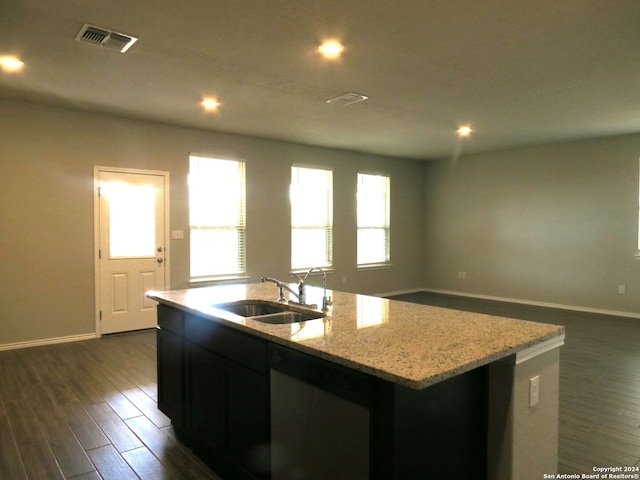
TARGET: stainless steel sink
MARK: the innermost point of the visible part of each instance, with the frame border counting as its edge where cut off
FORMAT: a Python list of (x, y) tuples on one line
[(266, 312), (287, 317), (252, 309)]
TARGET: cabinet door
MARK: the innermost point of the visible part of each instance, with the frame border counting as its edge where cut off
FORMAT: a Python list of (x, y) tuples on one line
[(170, 378), (248, 419), (206, 396)]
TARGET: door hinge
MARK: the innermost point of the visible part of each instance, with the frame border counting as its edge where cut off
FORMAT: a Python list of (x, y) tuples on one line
[(99, 254), (100, 315)]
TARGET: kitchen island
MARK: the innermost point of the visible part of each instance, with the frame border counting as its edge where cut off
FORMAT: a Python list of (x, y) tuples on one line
[(443, 393)]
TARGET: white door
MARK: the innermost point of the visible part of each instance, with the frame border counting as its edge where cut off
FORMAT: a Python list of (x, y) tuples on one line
[(132, 247)]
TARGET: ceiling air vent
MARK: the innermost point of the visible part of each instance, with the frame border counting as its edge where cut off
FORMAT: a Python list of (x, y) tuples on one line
[(347, 99), (105, 38)]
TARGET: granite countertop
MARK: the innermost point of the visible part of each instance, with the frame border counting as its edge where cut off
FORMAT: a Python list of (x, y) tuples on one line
[(408, 344)]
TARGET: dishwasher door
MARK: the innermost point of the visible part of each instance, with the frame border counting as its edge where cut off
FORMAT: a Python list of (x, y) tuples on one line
[(316, 435)]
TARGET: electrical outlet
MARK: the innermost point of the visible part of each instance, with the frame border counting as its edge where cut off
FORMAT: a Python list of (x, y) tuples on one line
[(177, 234), (344, 280), (534, 391), (622, 289), (462, 275)]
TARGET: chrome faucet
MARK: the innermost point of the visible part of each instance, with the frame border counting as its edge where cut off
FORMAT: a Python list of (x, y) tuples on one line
[(302, 286), (281, 288), (326, 301), (301, 295)]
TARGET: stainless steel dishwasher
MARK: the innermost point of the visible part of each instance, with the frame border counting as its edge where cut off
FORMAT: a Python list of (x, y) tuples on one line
[(320, 420)]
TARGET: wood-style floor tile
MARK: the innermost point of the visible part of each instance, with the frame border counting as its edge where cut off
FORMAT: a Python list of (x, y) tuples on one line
[(64, 410), (111, 465)]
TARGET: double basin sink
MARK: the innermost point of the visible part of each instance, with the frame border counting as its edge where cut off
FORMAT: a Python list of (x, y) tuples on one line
[(269, 312)]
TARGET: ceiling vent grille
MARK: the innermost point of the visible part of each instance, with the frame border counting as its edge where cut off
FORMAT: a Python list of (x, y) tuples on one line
[(347, 99), (105, 38)]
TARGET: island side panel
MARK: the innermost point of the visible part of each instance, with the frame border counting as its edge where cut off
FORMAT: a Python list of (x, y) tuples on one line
[(523, 439)]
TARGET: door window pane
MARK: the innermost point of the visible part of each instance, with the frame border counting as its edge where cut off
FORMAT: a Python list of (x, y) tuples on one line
[(132, 214)]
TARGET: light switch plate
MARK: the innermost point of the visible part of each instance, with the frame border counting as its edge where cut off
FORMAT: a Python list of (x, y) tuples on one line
[(177, 234), (534, 391)]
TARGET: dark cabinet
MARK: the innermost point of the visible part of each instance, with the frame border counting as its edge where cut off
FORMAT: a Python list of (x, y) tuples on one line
[(170, 368), (228, 408), (222, 409), (248, 434), (205, 391)]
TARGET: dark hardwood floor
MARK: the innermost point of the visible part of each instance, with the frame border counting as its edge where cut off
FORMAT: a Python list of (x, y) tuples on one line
[(599, 381), (87, 410)]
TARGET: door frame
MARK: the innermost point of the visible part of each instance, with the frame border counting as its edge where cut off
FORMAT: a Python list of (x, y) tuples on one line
[(97, 169)]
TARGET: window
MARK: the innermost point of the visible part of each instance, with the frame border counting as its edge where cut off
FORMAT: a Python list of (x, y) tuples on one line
[(311, 217), (373, 220), (216, 217)]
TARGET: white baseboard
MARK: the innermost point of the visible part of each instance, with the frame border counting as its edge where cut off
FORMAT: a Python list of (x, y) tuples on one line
[(47, 341), (558, 306)]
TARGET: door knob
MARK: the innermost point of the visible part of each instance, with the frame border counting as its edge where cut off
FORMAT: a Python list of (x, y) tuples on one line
[(160, 260)]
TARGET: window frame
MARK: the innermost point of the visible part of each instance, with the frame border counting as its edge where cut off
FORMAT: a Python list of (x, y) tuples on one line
[(326, 226), (384, 226), (239, 225), (637, 254)]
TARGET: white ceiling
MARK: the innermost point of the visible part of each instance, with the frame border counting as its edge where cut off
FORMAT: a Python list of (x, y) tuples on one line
[(521, 72)]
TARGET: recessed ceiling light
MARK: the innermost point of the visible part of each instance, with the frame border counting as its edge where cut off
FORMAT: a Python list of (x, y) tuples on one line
[(11, 64), (464, 131), (331, 49), (210, 104)]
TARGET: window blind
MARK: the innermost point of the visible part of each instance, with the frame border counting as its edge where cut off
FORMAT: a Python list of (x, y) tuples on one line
[(373, 219), (311, 217), (216, 217)]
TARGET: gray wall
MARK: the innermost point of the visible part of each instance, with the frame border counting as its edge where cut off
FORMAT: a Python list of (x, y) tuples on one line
[(552, 224), (47, 157)]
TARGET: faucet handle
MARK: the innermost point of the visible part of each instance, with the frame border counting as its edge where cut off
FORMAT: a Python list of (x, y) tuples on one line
[(326, 303), (300, 279), (281, 298)]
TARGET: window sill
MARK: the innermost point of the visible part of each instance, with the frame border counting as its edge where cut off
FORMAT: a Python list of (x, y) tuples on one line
[(637, 256), (206, 281), (373, 266)]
